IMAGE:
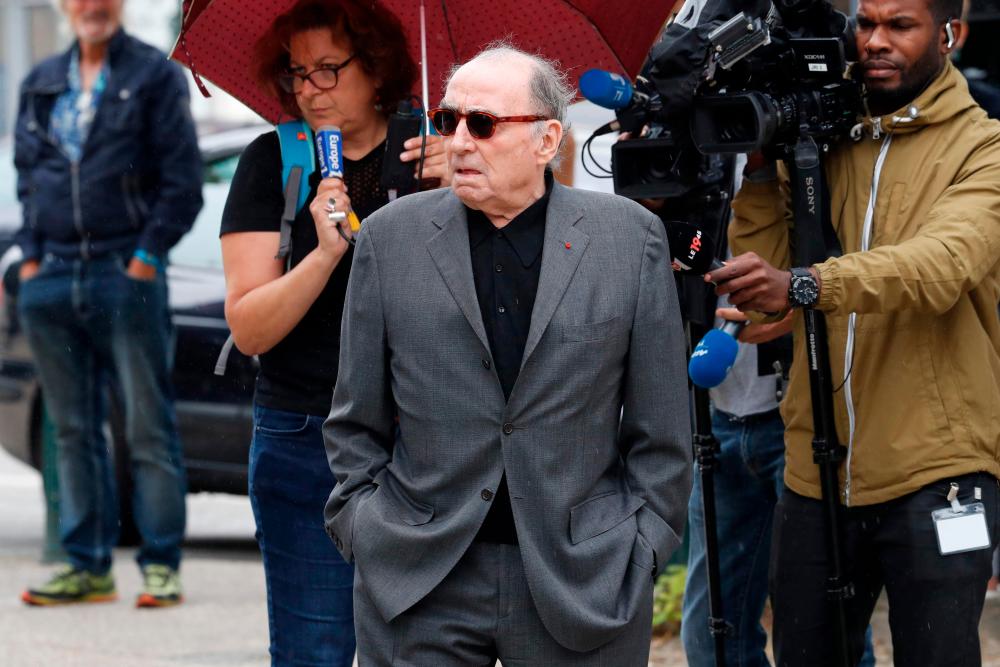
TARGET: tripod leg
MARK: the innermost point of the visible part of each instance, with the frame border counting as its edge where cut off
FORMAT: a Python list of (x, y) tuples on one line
[(706, 448)]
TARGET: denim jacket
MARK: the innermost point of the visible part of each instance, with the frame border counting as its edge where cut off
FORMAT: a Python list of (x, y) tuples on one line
[(138, 182)]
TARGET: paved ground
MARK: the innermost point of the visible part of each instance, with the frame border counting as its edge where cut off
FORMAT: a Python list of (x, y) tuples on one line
[(223, 622)]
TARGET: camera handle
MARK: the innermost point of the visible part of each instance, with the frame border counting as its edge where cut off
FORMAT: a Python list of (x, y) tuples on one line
[(812, 245)]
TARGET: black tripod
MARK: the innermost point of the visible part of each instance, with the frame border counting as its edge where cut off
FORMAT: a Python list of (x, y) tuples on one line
[(706, 451), (814, 242), (698, 303)]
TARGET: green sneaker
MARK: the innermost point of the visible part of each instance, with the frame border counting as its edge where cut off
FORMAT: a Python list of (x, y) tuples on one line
[(70, 585), (161, 587)]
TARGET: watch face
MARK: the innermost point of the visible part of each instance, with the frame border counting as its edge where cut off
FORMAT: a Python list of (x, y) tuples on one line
[(803, 290)]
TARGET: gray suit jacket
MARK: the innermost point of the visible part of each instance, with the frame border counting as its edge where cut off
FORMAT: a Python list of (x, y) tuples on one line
[(595, 438)]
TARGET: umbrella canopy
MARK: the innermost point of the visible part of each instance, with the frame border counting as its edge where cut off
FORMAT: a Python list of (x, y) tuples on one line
[(217, 37)]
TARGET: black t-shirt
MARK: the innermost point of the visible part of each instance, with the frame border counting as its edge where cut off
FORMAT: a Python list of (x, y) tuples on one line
[(298, 374)]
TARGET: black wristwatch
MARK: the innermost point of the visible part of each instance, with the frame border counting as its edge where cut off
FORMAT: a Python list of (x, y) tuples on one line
[(803, 292)]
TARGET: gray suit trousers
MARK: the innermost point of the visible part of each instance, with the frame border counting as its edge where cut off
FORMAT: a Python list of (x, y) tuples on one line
[(480, 613)]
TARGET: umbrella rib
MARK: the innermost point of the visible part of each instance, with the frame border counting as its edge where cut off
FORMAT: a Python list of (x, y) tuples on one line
[(571, 5), (447, 26)]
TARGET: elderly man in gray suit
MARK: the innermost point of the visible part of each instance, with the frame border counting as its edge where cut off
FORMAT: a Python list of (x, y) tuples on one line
[(509, 430)]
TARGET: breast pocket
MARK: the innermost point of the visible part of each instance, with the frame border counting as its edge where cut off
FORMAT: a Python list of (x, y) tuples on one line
[(589, 332), (123, 110)]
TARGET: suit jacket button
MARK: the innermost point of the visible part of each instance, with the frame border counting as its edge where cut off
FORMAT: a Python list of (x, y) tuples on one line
[(508, 428), (486, 364), (486, 495)]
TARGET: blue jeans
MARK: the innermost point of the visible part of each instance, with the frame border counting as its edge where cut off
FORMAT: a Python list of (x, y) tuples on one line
[(310, 606), (87, 321), (748, 483)]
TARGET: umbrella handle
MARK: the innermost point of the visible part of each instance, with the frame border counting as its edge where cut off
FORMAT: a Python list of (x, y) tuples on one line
[(423, 69)]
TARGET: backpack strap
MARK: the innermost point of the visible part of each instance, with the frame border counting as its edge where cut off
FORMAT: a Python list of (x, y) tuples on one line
[(298, 162)]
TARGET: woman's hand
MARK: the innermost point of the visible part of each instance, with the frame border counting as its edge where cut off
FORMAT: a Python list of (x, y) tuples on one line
[(332, 235), (435, 158)]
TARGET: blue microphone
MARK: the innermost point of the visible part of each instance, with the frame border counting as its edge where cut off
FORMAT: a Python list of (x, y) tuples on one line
[(714, 355), (330, 151), (606, 89)]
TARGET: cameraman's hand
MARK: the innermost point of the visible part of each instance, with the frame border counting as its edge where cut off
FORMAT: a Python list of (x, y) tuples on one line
[(756, 333), (752, 284)]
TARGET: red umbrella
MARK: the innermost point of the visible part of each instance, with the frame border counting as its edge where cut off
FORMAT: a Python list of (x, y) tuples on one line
[(217, 36)]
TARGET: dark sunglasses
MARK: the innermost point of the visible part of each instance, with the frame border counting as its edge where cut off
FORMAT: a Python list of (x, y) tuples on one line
[(324, 77), (481, 125)]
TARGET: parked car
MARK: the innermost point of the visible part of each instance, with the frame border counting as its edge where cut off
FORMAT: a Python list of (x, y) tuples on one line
[(213, 412)]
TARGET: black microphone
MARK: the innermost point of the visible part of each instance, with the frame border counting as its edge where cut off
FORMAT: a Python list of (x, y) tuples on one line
[(691, 250)]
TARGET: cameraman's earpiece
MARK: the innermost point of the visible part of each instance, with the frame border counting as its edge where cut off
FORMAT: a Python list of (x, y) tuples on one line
[(951, 34)]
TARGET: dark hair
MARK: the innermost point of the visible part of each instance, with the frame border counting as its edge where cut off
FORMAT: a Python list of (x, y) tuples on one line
[(942, 10), (372, 32)]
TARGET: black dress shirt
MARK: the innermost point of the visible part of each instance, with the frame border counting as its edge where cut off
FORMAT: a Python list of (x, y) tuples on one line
[(505, 266)]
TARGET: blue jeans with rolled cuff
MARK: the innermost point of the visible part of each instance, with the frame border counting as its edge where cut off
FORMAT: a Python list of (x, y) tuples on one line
[(86, 321), (309, 585)]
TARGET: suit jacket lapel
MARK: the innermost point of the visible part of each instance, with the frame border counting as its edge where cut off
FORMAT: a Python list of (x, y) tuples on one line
[(562, 250), (449, 248)]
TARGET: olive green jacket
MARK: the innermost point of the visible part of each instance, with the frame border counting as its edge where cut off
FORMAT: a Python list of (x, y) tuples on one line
[(911, 305)]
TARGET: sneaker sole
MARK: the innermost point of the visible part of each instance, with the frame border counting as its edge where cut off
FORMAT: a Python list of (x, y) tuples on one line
[(41, 601), (147, 601)]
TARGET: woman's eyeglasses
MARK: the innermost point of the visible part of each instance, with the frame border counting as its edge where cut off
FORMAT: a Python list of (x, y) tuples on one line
[(481, 125), (324, 77)]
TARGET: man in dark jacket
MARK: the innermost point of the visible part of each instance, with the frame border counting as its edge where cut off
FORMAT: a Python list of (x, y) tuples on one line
[(109, 179)]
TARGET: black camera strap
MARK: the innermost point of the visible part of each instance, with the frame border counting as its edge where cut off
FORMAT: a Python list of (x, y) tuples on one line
[(811, 207)]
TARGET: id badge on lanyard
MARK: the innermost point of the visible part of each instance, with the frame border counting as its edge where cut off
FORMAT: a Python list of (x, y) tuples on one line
[(961, 528)]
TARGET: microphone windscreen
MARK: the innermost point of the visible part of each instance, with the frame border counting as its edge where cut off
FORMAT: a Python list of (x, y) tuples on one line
[(691, 250), (606, 89), (712, 358)]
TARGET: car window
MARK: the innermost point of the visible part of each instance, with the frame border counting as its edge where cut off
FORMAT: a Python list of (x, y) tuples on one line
[(200, 247), (222, 169)]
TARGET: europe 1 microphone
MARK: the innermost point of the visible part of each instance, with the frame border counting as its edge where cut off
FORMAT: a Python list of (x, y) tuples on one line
[(330, 155)]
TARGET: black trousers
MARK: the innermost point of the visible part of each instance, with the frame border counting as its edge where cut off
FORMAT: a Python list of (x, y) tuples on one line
[(935, 601)]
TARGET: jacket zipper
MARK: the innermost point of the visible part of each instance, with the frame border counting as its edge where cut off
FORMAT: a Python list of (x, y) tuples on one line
[(866, 242), (78, 209), (130, 206)]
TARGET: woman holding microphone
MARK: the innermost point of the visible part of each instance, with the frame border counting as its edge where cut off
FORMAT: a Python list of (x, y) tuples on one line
[(329, 62)]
